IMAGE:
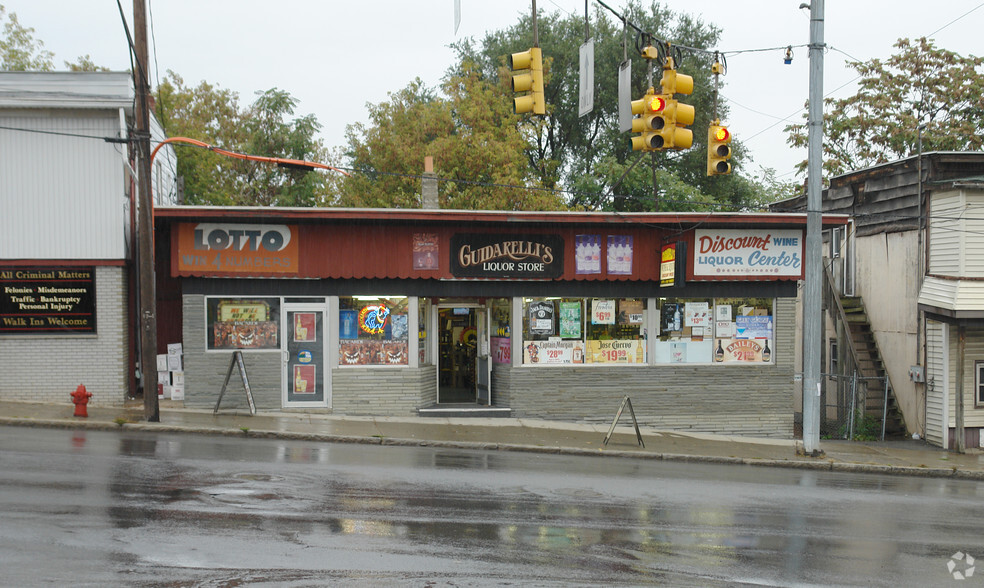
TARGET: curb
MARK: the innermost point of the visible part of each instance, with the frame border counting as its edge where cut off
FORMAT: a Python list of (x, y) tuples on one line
[(826, 464)]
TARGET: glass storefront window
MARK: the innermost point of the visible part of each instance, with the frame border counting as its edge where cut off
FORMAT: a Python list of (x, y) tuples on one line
[(559, 331), (373, 330), (500, 347), (242, 323), (423, 320), (721, 330)]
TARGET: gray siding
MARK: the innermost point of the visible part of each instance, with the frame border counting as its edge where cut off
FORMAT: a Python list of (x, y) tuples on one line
[(205, 372), (383, 391), (742, 400)]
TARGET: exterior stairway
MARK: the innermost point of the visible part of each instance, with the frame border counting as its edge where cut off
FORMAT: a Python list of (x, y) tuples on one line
[(870, 365)]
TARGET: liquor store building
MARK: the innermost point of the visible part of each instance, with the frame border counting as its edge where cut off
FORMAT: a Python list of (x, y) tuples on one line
[(526, 314)]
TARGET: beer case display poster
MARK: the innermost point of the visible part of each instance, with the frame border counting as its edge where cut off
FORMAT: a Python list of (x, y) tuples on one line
[(425, 251), (620, 255), (553, 352), (615, 351), (235, 323), (602, 312), (587, 254), (570, 320), (305, 379), (304, 327), (541, 317)]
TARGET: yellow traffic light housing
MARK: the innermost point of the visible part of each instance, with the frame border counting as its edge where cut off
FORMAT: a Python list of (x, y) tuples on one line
[(718, 149), (649, 122), (527, 69), (678, 115)]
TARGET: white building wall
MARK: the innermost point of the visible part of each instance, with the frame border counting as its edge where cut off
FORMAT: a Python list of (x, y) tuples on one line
[(48, 368), (62, 197), (887, 281), (936, 384)]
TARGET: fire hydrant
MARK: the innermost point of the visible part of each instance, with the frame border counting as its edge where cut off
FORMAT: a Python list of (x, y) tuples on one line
[(81, 399)]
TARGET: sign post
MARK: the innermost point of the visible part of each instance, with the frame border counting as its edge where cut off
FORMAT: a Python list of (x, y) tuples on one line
[(237, 360)]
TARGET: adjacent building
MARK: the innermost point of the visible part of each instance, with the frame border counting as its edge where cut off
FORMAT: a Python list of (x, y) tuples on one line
[(906, 295), (67, 196)]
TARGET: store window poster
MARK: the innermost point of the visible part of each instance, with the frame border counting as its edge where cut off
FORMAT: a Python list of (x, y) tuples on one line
[(587, 254), (570, 320), (425, 251), (305, 327), (620, 255), (603, 312), (348, 324)]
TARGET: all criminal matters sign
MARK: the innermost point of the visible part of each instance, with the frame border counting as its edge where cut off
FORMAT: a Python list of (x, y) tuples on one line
[(47, 300)]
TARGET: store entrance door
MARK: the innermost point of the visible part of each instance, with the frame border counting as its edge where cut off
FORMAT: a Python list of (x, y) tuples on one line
[(463, 363), (303, 347)]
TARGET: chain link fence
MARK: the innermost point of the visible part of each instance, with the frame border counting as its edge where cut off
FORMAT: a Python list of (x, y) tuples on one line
[(853, 407)]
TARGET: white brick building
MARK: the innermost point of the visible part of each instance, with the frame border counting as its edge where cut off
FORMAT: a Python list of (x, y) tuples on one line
[(66, 234)]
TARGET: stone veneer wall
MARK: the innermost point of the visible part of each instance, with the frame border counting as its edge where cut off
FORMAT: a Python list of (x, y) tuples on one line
[(728, 399), (383, 391), (48, 368)]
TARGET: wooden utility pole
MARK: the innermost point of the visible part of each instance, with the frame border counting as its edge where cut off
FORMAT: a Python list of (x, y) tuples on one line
[(145, 222)]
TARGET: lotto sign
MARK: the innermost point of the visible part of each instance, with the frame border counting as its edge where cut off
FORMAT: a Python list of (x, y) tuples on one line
[(603, 312)]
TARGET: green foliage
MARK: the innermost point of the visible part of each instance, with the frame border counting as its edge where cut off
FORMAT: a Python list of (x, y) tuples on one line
[(19, 50), (85, 63), (470, 131), (589, 154), (920, 84), (213, 115)]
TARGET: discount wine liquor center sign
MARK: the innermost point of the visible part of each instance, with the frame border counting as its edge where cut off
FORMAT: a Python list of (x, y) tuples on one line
[(730, 254)]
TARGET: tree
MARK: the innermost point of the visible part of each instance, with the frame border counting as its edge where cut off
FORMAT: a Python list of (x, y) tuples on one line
[(85, 63), (589, 154), (472, 134), (213, 115), (919, 85), (19, 50)]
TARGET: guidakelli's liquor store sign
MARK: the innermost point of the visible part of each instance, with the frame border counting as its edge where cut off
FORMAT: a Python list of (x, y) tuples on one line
[(484, 255), (738, 253)]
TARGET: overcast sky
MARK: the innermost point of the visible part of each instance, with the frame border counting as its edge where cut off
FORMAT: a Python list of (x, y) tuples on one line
[(335, 57)]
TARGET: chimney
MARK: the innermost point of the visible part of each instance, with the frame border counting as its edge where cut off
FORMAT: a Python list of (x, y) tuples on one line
[(428, 185)]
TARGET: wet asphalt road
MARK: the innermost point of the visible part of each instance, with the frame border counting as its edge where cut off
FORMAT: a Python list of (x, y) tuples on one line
[(139, 509)]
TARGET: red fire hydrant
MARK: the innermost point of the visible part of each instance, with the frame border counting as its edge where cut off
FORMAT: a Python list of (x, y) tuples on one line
[(81, 399)]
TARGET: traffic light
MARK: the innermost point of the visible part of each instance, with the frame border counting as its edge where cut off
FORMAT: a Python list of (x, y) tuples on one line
[(649, 122), (678, 115), (527, 69), (718, 149)]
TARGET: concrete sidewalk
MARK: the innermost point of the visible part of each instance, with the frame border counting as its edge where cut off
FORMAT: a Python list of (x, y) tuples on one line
[(514, 434)]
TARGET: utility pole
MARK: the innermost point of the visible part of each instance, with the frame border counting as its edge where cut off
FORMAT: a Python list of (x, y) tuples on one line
[(145, 223), (812, 294)]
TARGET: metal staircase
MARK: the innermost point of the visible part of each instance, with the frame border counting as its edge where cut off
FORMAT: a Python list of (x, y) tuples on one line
[(874, 384)]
